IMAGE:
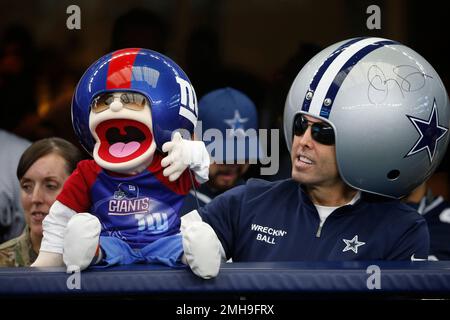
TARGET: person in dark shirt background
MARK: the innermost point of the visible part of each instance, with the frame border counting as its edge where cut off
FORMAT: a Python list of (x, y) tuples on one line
[(234, 115)]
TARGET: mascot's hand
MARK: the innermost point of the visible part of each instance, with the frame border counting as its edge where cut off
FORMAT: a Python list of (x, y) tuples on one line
[(203, 251), (184, 154), (48, 259)]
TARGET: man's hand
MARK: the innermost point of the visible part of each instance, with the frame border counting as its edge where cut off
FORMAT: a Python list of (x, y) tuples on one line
[(184, 154)]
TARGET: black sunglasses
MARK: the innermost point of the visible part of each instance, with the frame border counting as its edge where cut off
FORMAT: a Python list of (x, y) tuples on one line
[(320, 132)]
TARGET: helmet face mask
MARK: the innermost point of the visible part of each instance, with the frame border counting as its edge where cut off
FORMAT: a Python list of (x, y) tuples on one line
[(128, 103), (387, 106)]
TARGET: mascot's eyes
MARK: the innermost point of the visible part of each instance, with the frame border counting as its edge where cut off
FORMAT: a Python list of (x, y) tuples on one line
[(133, 101), (109, 99), (129, 100)]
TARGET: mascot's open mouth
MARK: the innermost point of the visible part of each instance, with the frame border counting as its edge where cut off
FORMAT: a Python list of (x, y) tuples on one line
[(122, 140)]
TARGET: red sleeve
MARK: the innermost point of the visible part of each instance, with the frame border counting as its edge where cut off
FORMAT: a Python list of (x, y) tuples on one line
[(184, 182), (180, 186), (76, 190)]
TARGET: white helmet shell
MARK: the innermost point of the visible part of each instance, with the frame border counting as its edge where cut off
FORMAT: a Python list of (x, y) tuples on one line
[(388, 107)]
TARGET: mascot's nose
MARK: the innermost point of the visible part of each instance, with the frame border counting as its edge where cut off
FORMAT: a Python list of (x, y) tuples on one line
[(116, 105)]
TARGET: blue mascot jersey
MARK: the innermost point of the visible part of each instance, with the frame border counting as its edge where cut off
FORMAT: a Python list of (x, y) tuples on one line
[(136, 209), (276, 221)]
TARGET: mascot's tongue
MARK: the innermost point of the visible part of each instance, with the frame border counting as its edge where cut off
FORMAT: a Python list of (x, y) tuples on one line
[(120, 149)]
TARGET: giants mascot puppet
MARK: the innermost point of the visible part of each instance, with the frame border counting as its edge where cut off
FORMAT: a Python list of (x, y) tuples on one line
[(123, 207)]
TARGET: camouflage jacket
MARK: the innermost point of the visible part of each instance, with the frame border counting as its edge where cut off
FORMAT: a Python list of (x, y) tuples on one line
[(18, 252)]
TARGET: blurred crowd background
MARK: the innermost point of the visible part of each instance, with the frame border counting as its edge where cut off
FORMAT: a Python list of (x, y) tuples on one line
[(256, 46)]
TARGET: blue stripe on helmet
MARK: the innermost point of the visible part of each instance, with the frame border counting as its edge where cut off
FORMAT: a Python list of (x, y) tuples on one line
[(319, 74), (345, 70), (100, 75), (140, 73), (92, 82)]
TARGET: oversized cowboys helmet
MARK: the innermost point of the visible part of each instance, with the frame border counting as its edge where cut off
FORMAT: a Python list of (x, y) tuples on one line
[(168, 90), (388, 108)]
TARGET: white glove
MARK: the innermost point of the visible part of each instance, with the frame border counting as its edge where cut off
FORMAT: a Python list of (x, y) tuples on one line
[(183, 154), (54, 227), (81, 240), (202, 249), (193, 217), (48, 259)]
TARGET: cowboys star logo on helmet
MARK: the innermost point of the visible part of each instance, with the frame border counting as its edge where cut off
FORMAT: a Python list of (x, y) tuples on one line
[(430, 133)]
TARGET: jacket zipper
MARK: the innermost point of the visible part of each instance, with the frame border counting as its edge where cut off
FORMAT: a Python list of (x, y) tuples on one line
[(319, 230)]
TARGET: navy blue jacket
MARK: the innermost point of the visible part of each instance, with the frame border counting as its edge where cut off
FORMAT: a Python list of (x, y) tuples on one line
[(276, 221), (198, 198), (436, 212), (202, 196)]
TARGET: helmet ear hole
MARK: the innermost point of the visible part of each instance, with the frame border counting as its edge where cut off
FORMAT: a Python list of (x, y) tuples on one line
[(393, 174)]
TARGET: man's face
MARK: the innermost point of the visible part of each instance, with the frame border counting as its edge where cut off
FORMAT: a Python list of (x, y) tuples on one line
[(313, 163), (225, 176)]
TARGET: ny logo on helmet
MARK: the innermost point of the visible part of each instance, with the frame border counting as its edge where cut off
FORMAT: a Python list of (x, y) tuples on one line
[(188, 101)]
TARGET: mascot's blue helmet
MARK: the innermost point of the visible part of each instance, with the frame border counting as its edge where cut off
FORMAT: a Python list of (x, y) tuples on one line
[(172, 99)]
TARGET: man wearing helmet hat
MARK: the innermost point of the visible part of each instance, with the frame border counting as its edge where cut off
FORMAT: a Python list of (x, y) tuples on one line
[(123, 206), (366, 121)]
